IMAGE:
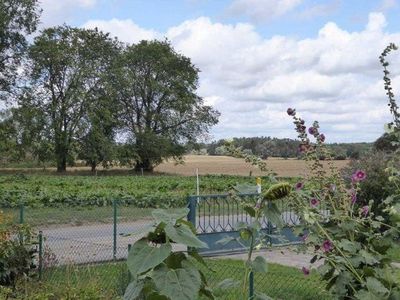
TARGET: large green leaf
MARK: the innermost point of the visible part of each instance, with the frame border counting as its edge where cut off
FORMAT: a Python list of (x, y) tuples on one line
[(143, 257), (162, 215), (273, 214), (376, 287), (178, 284), (133, 290), (183, 235), (259, 264)]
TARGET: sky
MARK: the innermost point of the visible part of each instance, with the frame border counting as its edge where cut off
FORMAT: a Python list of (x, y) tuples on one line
[(259, 57)]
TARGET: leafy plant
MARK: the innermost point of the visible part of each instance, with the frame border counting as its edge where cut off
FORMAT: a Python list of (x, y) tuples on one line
[(16, 252), (158, 272)]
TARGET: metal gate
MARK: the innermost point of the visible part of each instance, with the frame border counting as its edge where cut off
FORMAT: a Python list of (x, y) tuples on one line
[(215, 218)]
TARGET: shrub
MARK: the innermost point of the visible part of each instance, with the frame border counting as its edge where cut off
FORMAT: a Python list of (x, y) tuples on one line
[(16, 252)]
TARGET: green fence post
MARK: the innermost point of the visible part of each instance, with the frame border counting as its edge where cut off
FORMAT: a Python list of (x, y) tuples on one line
[(21, 213), (40, 255), (129, 272), (115, 230), (251, 286)]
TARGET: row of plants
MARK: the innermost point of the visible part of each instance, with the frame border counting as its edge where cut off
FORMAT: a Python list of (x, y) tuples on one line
[(140, 191)]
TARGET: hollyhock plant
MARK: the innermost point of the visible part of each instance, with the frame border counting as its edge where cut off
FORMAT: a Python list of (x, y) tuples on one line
[(327, 246), (358, 176), (314, 202), (299, 186)]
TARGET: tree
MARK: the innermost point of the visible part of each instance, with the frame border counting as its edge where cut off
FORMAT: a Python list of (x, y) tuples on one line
[(159, 109), (65, 78), (97, 146), (17, 19)]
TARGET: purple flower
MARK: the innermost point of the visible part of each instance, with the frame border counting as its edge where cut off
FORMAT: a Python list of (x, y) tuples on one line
[(322, 137), (365, 210), (327, 246), (291, 111), (306, 271), (299, 186), (312, 130), (358, 176), (314, 202)]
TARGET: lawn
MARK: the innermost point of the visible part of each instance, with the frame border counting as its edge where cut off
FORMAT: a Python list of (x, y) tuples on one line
[(110, 280)]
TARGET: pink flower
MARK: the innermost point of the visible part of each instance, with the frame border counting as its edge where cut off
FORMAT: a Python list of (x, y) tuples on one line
[(365, 210), (327, 246), (312, 130), (358, 176), (291, 111), (322, 137), (306, 271), (314, 202), (299, 186)]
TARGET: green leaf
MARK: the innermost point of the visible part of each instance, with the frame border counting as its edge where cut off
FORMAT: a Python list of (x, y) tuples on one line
[(368, 257), (349, 246), (259, 265), (174, 260), (245, 234), (179, 284), (198, 257), (250, 210), (225, 285), (273, 215), (183, 235), (166, 216), (143, 257), (133, 290), (375, 286)]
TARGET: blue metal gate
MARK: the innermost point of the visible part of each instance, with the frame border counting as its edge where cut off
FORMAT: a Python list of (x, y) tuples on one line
[(215, 218)]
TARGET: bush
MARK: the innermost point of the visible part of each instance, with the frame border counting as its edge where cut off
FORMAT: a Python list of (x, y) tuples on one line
[(16, 252), (377, 187)]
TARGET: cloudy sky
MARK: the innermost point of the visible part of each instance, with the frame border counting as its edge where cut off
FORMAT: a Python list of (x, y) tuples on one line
[(259, 57)]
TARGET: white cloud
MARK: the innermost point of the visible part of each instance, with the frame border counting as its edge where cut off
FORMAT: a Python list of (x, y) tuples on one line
[(333, 77), (262, 10), (126, 30), (56, 12)]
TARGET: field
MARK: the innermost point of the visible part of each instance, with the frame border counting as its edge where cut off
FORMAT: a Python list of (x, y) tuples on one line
[(206, 164)]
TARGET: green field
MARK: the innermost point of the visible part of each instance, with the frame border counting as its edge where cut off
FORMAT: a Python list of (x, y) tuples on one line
[(108, 281)]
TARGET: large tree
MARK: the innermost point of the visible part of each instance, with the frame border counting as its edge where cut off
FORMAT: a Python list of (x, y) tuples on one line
[(65, 81), (18, 18), (155, 88)]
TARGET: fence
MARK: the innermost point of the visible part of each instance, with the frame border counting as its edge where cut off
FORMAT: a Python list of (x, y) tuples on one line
[(73, 241)]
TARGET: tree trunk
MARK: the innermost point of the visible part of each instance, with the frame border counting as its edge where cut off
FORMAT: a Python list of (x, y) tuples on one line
[(93, 165), (144, 164), (62, 164)]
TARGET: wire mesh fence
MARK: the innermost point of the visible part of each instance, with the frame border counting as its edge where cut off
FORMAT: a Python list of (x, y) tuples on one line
[(87, 248)]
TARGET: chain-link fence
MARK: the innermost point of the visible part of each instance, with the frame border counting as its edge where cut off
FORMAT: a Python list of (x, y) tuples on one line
[(87, 247)]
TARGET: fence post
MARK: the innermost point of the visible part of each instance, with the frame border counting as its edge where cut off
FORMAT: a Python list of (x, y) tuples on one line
[(129, 272), (115, 229), (251, 286), (191, 217), (40, 255)]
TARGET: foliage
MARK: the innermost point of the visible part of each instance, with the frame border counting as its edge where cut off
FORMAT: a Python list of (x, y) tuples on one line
[(17, 18), (265, 147), (155, 87), (160, 273), (140, 191), (252, 236), (16, 252), (351, 239), (65, 81)]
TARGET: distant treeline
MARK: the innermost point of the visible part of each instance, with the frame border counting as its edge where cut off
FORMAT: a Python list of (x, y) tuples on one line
[(274, 147)]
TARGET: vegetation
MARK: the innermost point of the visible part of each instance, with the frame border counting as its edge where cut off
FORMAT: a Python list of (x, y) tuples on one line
[(140, 191)]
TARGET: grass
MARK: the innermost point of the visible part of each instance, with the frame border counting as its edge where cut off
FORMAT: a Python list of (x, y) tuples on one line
[(111, 279)]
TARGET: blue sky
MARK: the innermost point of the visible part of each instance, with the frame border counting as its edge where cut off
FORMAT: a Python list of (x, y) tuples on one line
[(258, 57)]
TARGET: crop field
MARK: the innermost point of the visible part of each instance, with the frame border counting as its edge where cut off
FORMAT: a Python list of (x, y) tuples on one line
[(214, 165)]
